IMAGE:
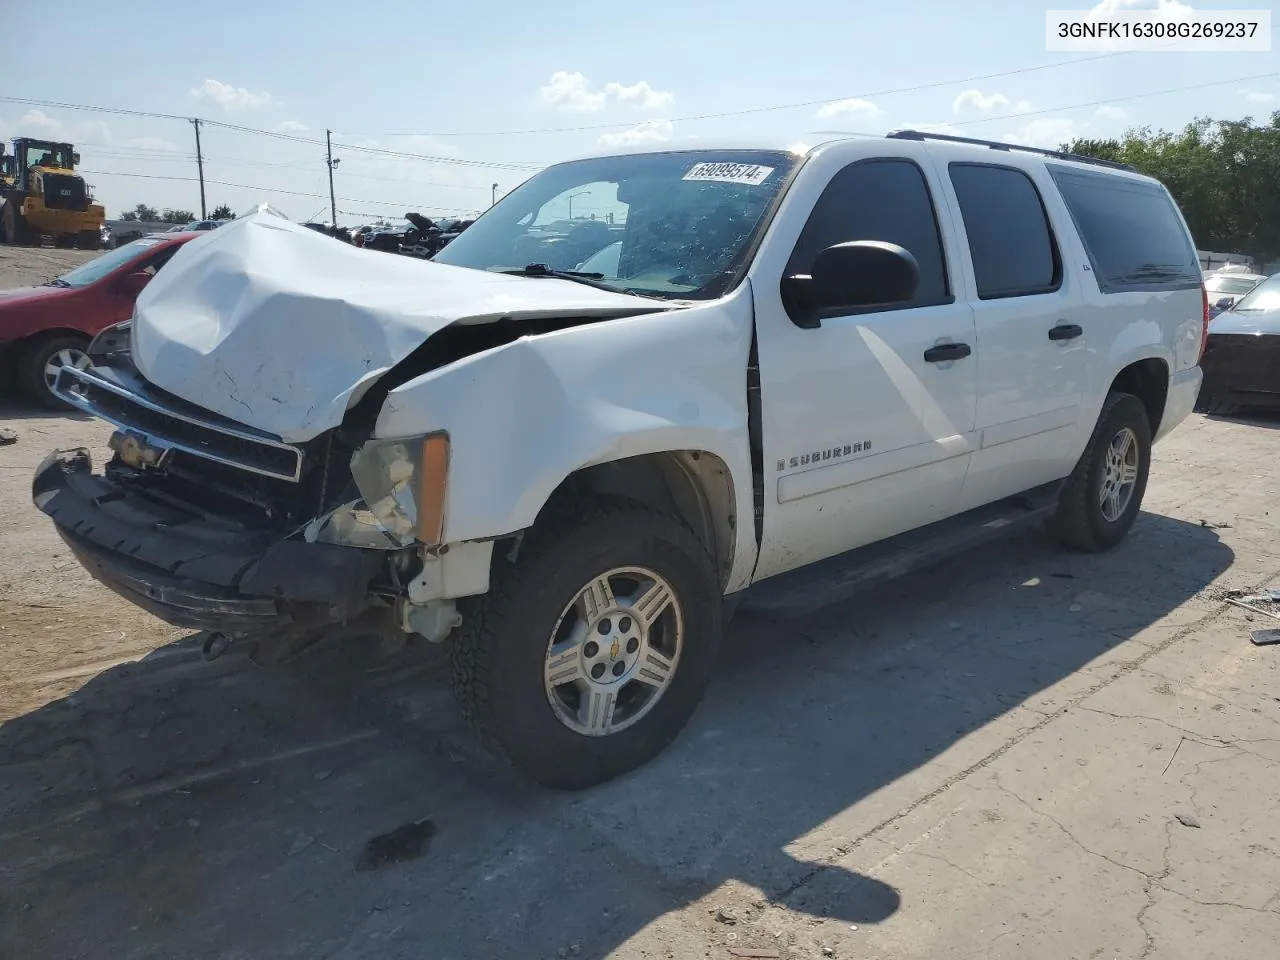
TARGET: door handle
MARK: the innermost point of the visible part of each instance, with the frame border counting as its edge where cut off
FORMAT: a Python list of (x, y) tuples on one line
[(946, 351), (1065, 331)]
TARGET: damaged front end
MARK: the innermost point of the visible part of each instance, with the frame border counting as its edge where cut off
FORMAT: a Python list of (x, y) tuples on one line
[(212, 525)]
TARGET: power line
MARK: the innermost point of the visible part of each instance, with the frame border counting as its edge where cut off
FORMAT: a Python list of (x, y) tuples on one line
[(275, 134), (769, 109), (250, 186), (1110, 100)]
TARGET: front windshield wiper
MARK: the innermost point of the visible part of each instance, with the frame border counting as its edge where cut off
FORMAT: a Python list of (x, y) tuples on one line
[(577, 276)]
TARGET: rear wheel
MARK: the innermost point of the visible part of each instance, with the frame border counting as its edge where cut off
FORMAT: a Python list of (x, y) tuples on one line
[(89, 240), (41, 361), (1101, 499), (591, 652), (16, 229)]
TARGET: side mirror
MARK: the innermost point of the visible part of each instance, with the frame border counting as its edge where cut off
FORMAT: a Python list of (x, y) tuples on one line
[(75, 159), (1224, 303), (131, 284), (859, 273)]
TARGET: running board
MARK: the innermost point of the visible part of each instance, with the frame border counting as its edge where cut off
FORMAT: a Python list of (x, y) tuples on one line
[(798, 593)]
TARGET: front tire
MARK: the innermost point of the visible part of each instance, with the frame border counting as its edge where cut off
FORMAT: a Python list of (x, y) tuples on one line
[(1103, 495), (591, 652), (40, 362)]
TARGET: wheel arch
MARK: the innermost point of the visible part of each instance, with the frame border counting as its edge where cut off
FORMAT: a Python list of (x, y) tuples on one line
[(695, 485), (1148, 380)]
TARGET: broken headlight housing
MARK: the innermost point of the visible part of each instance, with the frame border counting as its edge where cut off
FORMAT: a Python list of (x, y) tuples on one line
[(402, 484)]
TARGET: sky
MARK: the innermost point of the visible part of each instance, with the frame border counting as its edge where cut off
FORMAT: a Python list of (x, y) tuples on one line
[(484, 92)]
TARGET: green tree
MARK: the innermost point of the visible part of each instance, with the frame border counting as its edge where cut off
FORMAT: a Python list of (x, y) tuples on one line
[(222, 212), (176, 216), (129, 215), (143, 212), (1223, 173)]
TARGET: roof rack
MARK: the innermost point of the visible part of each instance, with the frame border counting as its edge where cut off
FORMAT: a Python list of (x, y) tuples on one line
[(997, 145)]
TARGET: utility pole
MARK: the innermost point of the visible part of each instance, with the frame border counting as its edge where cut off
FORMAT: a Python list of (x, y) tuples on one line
[(493, 195), (333, 202), (200, 167)]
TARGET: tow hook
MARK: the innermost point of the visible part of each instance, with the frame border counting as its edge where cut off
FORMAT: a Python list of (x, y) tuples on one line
[(214, 646)]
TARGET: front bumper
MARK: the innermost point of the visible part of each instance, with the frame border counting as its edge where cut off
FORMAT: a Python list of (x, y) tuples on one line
[(193, 569)]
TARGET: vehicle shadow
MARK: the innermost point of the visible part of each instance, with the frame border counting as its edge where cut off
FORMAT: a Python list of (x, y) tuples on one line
[(1252, 416), (13, 407), (335, 808)]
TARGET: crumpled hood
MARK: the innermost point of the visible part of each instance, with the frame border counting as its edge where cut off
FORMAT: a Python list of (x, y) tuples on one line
[(277, 326)]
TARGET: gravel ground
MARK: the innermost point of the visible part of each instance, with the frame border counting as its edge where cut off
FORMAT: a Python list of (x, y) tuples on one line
[(1022, 753)]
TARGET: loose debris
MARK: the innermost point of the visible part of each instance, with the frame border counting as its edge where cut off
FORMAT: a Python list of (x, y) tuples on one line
[(1215, 526), (7, 437), (1250, 601), (752, 952), (1263, 638), (1187, 820)]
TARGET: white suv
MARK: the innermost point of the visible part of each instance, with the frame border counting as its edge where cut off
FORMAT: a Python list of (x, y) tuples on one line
[(859, 356)]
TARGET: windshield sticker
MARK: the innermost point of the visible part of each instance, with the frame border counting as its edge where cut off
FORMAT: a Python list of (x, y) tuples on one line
[(749, 173)]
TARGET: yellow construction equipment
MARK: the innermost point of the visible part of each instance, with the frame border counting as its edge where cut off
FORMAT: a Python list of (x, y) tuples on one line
[(41, 195)]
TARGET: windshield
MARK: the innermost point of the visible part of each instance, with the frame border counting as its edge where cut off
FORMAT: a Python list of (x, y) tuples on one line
[(96, 269), (1233, 286), (1265, 296), (677, 225)]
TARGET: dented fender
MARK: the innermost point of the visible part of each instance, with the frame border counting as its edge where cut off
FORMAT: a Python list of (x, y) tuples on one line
[(524, 416)]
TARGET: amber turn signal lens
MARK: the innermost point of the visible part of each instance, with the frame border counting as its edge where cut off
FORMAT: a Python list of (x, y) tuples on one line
[(433, 474)]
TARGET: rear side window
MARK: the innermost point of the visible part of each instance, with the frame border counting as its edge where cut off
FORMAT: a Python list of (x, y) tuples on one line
[(884, 200), (1013, 250), (1131, 231)]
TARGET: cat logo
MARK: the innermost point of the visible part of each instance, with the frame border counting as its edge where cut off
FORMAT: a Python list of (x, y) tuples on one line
[(65, 191)]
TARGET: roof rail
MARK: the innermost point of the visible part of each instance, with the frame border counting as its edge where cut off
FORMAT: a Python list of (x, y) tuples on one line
[(997, 145)]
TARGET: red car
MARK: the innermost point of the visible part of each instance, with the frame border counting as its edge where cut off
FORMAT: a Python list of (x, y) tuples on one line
[(45, 328)]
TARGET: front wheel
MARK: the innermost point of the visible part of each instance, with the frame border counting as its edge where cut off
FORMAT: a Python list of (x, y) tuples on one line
[(1101, 499), (591, 652)]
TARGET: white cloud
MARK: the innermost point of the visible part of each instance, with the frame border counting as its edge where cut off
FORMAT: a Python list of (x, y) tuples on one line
[(292, 126), (651, 131), (639, 94), (1047, 132), (1168, 9), (1111, 113), (981, 102), (229, 97), (41, 125), (151, 143), (1257, 96), (573, 93), (854, 107), (95, 132)]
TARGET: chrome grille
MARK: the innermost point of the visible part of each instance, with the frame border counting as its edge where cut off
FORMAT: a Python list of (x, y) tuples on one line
[(128, 402)]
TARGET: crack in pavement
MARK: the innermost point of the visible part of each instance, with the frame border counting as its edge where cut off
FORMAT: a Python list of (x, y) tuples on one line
[(1151, 882), (1192, 736), (1151, 651)]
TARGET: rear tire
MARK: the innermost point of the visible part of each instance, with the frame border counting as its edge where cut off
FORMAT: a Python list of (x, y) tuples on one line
[(546, 614), (40, 360), (17, 231), (1103, 495), (89, 240)]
